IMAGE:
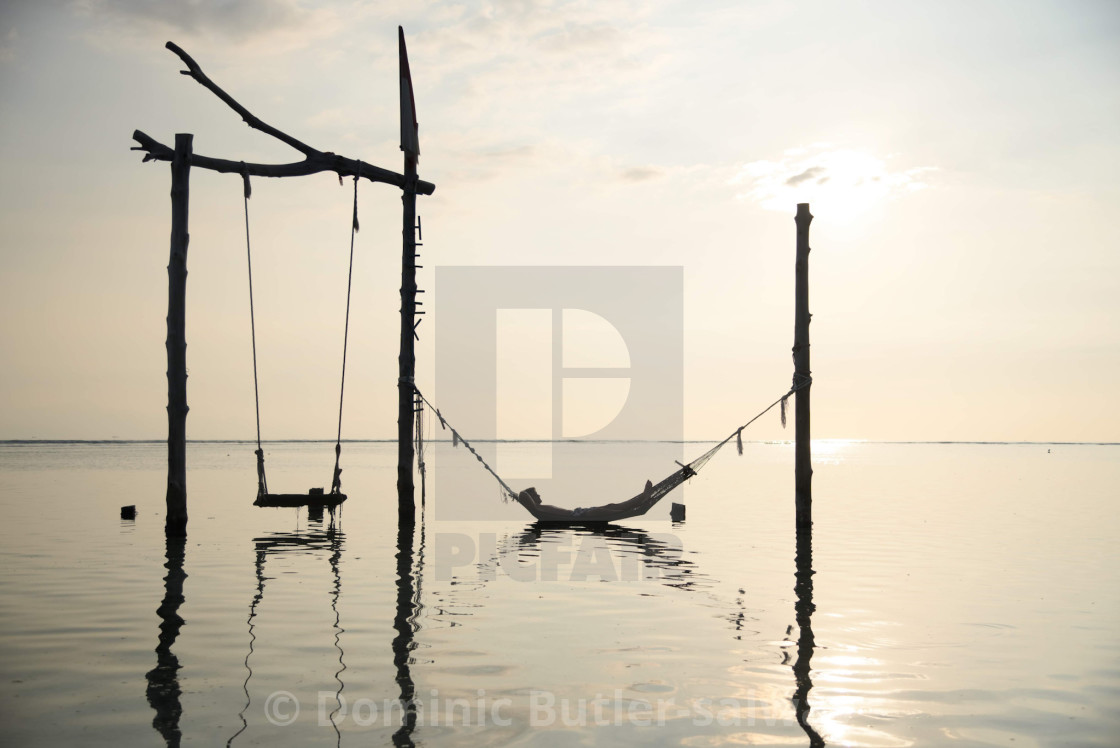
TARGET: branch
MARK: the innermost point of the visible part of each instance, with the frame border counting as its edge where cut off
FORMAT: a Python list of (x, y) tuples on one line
[(194, 71), (313, 164), (314, 160)]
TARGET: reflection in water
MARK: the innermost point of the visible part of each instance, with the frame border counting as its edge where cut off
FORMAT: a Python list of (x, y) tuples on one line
[(805, 643), (405, 622), (336, 591), (259, 565), (163, 680), (655, 557), (330, 539)]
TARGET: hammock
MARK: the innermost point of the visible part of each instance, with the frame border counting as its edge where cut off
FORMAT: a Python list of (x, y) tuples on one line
[(635, 507)]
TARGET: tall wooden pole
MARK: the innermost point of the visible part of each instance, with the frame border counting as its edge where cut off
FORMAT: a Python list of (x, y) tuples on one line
[(176, 521), (406, 362), (802, 377)]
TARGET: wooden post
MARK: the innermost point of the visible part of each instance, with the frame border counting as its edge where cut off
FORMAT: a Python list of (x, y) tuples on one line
[(406, 361), (176, 521), (802, 377)]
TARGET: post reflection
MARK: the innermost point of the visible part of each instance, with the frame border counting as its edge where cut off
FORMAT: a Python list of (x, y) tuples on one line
[(405, 623), (163, 680), (803, 609)]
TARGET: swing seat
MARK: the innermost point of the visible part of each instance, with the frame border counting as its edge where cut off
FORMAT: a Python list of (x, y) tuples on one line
[(315, 497)]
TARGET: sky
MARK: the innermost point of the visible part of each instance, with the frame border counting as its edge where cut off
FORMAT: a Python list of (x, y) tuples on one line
[(960, 160)]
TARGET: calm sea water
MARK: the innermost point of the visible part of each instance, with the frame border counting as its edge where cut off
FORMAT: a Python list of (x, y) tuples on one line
[(961, 594)]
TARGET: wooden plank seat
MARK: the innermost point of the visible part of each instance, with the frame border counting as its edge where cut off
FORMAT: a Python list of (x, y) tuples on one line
[(315, 497)]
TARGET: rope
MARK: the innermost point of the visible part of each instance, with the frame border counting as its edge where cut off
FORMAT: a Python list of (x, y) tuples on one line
[(660, 489), (418, 408), (336, 481), (737, 433), (509, 492), (262, 483)]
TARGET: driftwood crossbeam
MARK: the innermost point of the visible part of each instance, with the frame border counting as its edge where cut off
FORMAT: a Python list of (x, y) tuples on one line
[(314, 160), (182, 158)]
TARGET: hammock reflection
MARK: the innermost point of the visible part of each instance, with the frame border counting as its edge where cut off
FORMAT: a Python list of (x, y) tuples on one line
[(641, 555), (331, 539), (163, 680)]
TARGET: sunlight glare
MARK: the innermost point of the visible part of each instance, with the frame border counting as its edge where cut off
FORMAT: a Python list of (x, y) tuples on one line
[(841, 183)]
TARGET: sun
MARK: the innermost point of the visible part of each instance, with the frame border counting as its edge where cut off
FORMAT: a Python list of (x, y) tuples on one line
[(841, 183)]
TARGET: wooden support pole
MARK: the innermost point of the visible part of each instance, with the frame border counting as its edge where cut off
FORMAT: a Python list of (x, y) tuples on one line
[(176, 521), (802, 377), (406, 362)]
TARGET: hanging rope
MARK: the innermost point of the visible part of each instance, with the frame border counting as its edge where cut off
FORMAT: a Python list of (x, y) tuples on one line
[(336, 481), (458, 439), (262, 483), (658, 490), (418, 408)]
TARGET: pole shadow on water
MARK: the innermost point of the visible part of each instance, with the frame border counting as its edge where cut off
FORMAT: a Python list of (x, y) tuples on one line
[(331, 540), (163, 680)]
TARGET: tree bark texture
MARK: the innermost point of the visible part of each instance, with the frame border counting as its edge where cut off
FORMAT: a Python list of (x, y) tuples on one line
[(176, 521), (802, 376)]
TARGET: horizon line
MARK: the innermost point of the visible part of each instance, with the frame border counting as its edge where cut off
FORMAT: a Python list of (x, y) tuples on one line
[(33, 441)]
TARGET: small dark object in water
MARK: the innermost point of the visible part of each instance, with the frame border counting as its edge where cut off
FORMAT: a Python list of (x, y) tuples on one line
[(676, 512), (128, 512)]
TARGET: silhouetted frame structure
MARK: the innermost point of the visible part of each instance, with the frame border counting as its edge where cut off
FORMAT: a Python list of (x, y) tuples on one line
[(802, 376), (182, 158)]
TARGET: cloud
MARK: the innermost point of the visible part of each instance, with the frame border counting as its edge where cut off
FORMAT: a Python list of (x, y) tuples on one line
[(810, 173), (8, 45), (837, 181), (641, 173), (474, 159), (282, 24), (577, 37), (517, 50)]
